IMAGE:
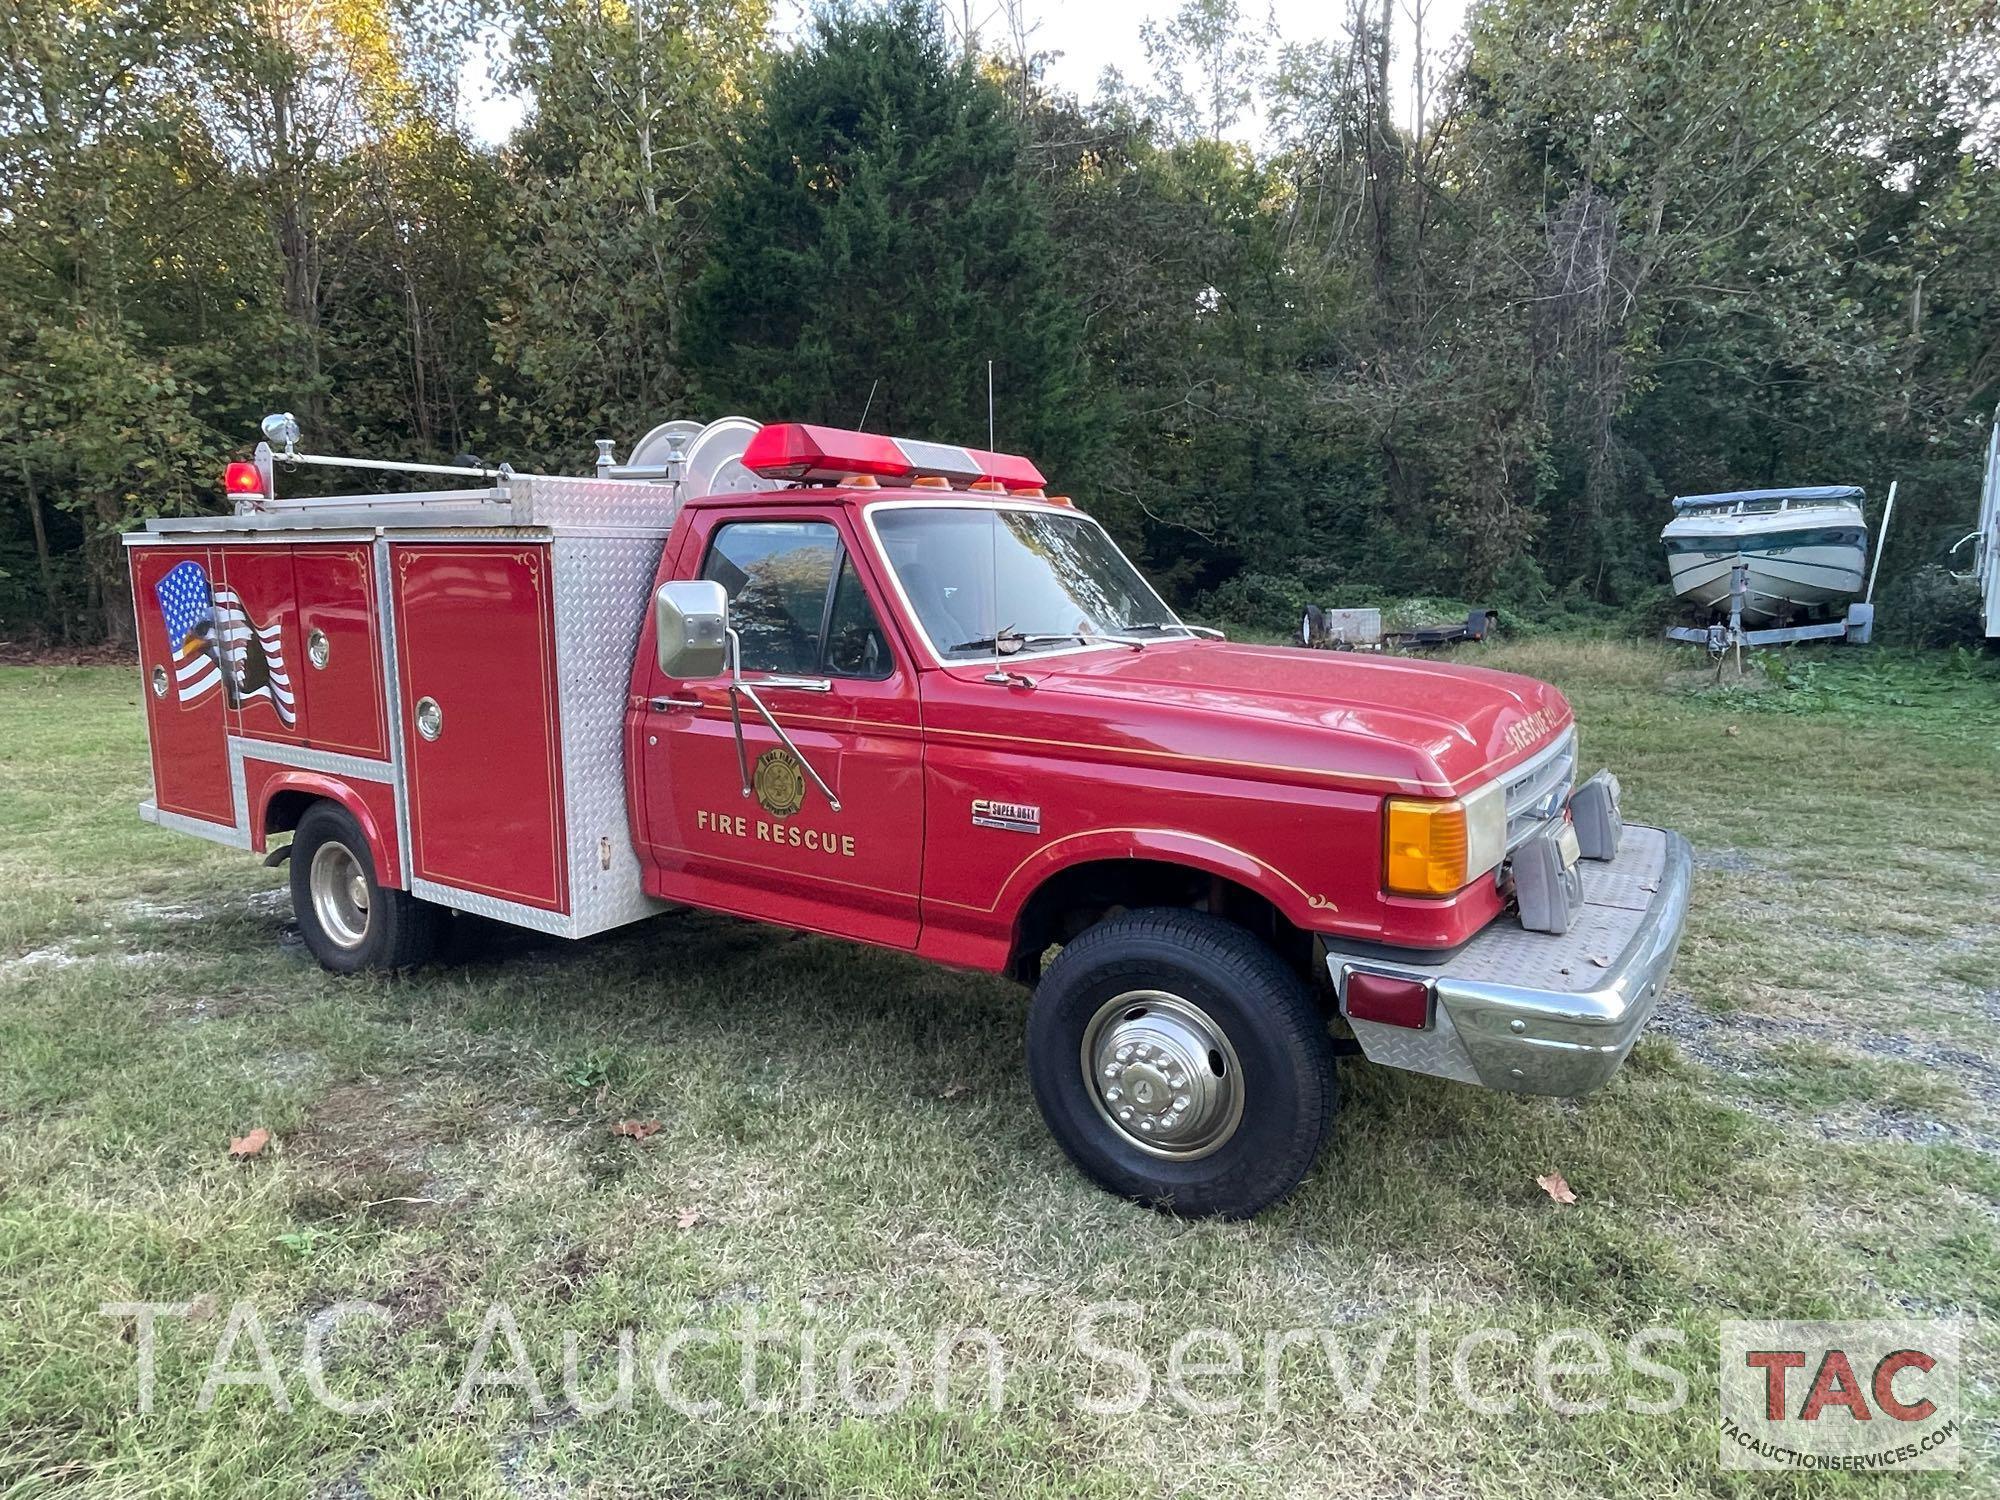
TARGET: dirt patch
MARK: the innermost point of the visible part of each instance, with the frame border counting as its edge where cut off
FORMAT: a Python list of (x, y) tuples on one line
[(1735, 1043), (66, 954), (381, 1143), (1727, 861), (198, 1008), (421, 1296)]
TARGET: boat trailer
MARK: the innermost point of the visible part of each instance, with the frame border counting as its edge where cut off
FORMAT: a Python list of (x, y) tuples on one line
[(1856, 627)]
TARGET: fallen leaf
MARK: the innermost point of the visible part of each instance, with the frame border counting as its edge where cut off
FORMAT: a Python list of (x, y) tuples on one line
[(203, 1307), (1556, 1187), (1602, 963), (638, 1130), (252, 1144), (687, 1218), (1732, 731), (955, 1088)]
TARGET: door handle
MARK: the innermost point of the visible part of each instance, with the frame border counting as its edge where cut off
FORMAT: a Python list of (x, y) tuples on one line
[(792, 684), (663, 705)]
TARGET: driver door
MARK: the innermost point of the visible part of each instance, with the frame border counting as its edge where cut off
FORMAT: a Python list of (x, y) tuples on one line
[(804, 608)]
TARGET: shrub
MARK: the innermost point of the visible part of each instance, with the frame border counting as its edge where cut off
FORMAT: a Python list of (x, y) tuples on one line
[(1933, 607)]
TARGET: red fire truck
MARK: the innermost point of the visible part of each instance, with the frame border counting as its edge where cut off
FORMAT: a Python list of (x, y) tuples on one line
[(892, 691)]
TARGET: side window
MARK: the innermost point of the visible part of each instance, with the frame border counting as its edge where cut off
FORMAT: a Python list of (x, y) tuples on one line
[(777, 574), (794, 600), (854, 644)]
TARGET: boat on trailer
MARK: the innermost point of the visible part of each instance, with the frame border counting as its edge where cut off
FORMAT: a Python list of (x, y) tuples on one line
[(1804, 550)]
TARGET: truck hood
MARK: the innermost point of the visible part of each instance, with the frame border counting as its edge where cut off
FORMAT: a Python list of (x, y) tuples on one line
[(1435, 726)]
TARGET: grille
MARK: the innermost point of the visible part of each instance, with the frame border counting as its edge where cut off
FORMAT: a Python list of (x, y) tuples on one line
[(1537, 790)]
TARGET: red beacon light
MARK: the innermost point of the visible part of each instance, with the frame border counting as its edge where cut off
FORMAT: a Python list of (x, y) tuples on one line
[(243, 479), (830, 455)]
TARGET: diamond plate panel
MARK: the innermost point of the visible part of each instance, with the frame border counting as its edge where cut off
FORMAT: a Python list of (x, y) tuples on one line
[(1615, 901), (1632, 880), (221, 833), (600, 505), (1437, 1051), (602, 587), (481, 905)]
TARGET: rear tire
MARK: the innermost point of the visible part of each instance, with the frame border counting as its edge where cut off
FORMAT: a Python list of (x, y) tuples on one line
[(1180, 1063), (349, 920)]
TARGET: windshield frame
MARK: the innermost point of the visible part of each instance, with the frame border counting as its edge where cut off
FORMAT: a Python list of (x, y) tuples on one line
[(1026, 652)]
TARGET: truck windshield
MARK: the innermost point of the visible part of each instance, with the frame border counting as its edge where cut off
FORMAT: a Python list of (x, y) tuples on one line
[(1060, 580)]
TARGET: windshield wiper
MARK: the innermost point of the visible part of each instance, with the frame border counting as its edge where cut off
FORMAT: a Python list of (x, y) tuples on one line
[(1011, 640)]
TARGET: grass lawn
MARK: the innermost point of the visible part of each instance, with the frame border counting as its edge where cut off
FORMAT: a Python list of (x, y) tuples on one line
[(846, 1142)]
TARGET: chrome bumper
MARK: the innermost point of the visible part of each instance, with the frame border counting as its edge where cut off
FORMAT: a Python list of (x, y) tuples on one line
[(1535, 1014)]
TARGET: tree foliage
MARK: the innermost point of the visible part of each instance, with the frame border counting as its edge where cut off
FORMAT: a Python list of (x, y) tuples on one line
[(1466, 343), (879, 234)]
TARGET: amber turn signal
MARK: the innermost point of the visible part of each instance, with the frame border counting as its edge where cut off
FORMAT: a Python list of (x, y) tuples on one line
[(1426, 848)]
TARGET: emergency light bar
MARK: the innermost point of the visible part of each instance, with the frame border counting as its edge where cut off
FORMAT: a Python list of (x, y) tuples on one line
[(826, 455)]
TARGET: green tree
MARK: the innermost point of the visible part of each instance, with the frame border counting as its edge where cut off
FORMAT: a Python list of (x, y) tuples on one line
[(1723, 218), (635, 108), (880, 228)]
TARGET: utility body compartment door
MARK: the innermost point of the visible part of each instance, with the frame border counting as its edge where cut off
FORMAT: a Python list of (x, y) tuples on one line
[(475, 657), (180, 667), (259, 618), (345, 705)]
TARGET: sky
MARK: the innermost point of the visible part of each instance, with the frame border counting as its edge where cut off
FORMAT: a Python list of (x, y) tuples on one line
[(1087, 35)]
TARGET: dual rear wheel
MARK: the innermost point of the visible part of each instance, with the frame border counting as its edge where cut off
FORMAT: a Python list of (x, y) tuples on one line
[(350, 921)]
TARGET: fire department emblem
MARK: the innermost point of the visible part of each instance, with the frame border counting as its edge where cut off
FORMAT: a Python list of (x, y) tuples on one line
[(779, 783)]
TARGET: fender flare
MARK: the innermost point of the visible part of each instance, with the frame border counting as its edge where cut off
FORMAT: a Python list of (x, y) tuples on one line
[(381, 848), (1299, 906)]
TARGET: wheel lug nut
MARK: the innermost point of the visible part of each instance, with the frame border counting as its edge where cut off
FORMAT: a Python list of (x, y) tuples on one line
[(1125, 1053), (1111, 1070), (1125, 1113), (1179, 1080), (1114, 1094), (1182, 1102)]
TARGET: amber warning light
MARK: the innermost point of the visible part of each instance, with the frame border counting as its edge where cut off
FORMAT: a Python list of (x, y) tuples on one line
[(829, 455), (242, 479)]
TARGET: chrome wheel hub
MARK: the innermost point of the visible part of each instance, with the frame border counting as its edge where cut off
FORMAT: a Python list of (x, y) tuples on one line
[(1163, 1073), (339, 889)]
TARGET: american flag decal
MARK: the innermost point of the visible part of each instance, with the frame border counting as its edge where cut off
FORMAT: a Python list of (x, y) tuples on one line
[(216, 642)]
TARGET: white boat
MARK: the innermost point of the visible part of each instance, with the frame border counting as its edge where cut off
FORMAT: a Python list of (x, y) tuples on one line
[(1806, 549)]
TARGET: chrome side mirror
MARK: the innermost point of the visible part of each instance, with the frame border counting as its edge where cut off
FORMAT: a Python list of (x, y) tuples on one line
[(691, 623)]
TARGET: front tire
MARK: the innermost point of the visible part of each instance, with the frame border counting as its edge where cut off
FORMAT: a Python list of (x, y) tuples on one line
[(349, 920), (1180, 1063)]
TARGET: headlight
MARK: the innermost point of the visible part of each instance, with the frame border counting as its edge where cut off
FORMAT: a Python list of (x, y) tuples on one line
[(1437, 848)]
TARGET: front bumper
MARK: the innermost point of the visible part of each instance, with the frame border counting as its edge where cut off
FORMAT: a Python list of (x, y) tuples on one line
[(1536, 1014)]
